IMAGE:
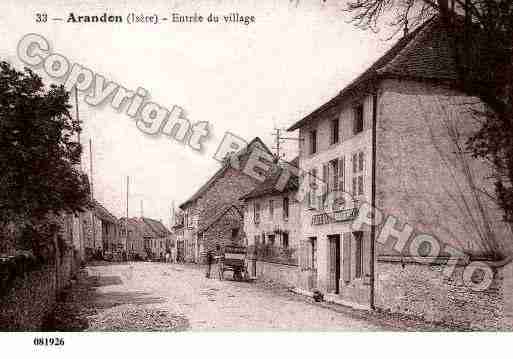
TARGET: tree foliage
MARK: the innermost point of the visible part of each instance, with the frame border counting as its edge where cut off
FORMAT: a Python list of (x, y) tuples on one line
[(40, 156)]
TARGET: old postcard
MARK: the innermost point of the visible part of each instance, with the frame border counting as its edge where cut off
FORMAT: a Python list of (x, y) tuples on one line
[(235, 166)]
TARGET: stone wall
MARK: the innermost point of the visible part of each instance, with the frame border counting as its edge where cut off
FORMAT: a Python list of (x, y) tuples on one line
[(284, 274), (422, 291), (220, 233), (30, 298)]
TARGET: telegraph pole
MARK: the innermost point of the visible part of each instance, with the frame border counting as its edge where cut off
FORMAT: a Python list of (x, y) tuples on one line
[(92, 190), (78, 117), (279, 140), (126, 222)]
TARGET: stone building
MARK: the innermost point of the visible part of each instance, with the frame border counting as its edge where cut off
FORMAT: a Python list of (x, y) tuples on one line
[(392, 140), (107, 236), (223, 229), (101, 232), (218, 195), (272, 228)]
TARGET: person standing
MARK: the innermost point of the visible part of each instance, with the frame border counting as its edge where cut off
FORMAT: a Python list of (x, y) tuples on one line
[(210, 258)]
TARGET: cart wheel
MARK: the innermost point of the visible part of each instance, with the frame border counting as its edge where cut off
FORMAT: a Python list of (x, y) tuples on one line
[(237, 275)]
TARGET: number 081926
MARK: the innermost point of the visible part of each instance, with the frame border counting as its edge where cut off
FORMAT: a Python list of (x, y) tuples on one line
[(48, 341)]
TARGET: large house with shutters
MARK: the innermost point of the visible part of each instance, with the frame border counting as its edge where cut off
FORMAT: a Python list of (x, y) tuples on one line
[(392, 140)]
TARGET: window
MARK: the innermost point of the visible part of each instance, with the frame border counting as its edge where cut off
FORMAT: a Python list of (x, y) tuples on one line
[(325, 185), (358, 162), (256, 213), (285, 240), (358, 239), (313, 141), (235, 233), (358, 119), (271, 238), (257, 240), (271, 209), (334, 131), (285, 208)]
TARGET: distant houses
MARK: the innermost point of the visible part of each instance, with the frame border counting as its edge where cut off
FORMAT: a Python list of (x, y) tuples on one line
[(146, 238)]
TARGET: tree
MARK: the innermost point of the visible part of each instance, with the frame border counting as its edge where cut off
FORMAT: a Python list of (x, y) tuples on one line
[(482, 35), (39, 157)]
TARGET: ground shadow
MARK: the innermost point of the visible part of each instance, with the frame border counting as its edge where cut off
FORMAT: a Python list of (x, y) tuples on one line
[(83, 299)]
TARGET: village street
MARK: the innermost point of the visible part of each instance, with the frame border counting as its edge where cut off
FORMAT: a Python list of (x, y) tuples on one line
[(160, 296)]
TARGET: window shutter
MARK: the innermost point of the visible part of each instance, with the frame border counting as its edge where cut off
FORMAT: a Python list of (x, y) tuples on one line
[(360, 162), (341, 173), (355, 163), (315, 187), (346, 257), (334, 175), (325, 184), (332, 261)]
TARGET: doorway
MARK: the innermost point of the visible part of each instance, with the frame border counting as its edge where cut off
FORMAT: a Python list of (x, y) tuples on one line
[(334, 260)]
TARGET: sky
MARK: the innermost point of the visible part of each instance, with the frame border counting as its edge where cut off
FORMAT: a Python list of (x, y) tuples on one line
[(245, 79)]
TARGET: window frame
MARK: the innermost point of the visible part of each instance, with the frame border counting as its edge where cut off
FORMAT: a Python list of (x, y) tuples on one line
[(334, 131), (286, 208), (313, 141), (256, 212), (285, 244), (358, 169), (358, 118)]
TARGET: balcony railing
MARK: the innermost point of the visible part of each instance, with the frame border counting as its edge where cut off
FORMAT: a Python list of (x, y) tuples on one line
[(342, 215)]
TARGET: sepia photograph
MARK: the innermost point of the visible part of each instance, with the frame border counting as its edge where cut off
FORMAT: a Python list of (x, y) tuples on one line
[(222, 167)]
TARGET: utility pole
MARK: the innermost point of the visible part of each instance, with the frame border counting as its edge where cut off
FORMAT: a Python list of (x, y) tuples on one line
[(126, 222), (77, 115), (173, 215), (279, 140), (92, 190), (81, 234)]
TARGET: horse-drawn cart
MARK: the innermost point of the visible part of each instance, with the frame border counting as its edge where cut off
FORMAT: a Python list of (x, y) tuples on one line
[(233, 259)]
